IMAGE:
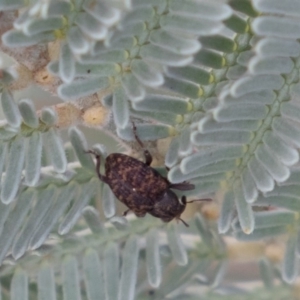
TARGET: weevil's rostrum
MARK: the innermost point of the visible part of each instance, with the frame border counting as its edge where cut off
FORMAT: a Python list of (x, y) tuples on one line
[(140, 187)]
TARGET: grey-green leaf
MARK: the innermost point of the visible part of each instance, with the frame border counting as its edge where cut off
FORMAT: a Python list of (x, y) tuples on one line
[(33, 157), (153, 258), (176, 245), (70, 279), (12, 225), (45, 198), (291, 260), (19, 286), (129, 269), (93, 276), (46, 283), (55, 150), (80, 146), (28, 113), (10, 109), (14, 166), (87, 192), (111, 271)]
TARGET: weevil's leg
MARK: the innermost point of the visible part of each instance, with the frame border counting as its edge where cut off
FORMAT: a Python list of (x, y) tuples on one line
[(126, 212), (98, 163), (148, 156), (140, 214)]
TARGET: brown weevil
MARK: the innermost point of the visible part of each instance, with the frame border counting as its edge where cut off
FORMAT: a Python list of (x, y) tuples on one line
[(141, 188)]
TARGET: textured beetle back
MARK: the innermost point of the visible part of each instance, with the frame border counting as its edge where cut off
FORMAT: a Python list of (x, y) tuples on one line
[(133, 182)]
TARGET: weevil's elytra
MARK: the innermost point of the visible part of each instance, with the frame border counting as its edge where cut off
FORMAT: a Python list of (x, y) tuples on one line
[(140, 187), (131, 179)]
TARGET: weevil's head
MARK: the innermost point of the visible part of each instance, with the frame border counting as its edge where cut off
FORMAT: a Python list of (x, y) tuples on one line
[(168, 207), (181, 207)]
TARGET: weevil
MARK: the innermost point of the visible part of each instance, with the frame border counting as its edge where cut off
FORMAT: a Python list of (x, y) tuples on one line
[(140, 187)]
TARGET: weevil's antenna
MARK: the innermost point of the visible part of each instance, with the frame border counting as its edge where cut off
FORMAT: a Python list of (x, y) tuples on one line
[(186, 224), (205, 199), (183, 200)]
